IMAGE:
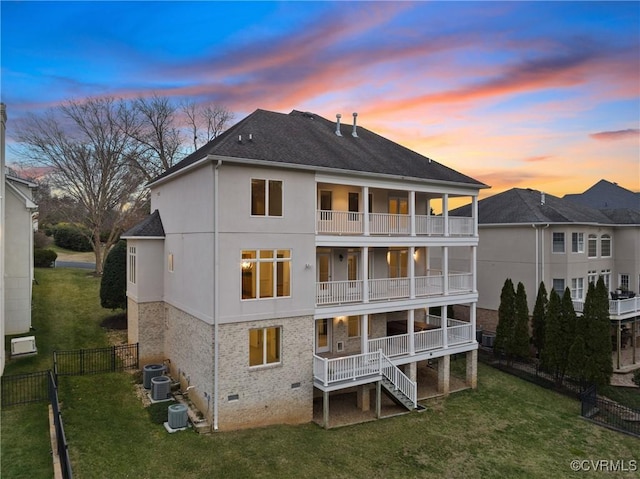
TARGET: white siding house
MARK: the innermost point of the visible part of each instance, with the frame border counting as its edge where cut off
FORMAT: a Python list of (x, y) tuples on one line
[(284, 262)]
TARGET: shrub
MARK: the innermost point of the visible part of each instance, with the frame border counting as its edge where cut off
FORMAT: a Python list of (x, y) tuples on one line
[(41, 240), (73, 237), (113, 286), (44, 258)]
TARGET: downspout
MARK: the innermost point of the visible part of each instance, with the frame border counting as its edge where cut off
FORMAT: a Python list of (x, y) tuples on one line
[(542, 252), (216, 292), (537, 283)]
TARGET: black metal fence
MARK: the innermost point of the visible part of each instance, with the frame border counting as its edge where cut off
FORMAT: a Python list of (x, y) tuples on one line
[(61, 439), (609, 413), (78, 362), (25, 388)]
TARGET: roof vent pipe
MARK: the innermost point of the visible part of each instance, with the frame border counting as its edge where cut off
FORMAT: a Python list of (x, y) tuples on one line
[(354, 133), (338, 116), (542, 198)]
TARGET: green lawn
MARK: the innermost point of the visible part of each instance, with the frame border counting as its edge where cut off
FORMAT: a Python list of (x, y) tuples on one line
[(508, 428)]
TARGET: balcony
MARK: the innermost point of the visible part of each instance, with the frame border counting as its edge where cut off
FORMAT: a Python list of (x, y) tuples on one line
[(618, 308), (330, 222), (389, 289), (345, 370)]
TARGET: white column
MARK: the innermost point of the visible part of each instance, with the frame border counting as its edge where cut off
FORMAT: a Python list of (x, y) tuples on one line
[(474, 269), (412, 211), (445, 269), (445, 213), (364, 333), (445, 325), (474, 214), (412, 272), (365, 209), (472, 318), (410, 330), (365, 274)]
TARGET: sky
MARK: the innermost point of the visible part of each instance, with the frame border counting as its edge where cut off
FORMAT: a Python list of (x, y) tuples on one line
[(542, 95)]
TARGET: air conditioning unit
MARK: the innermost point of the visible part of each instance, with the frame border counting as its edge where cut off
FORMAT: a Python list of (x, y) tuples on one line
[(149, 372), (177, 416), (160, 388), (23, 346)]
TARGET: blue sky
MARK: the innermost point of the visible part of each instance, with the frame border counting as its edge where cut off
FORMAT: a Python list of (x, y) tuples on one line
[(516, 94)]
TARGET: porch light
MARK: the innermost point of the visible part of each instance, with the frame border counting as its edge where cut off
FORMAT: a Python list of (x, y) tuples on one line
[(415, 255)]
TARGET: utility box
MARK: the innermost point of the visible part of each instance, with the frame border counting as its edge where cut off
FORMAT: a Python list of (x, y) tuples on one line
[(25, 346)]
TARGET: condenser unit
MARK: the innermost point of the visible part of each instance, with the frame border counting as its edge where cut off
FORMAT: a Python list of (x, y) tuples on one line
[(23, 346)]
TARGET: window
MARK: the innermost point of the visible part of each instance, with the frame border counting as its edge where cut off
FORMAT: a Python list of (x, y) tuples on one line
[(558, 242), (605, 245), (577, 288), (624, 282), (326, 202), (577, 242), (592, 246), (132, 264), (606, 277), (592, 277), (170, 262), (353, 326), (264, 346), (266, 197), (266, 273), (558, 286)]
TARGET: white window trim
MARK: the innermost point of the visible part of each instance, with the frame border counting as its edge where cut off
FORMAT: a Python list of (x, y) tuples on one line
[(132, 265), (265, 364), (564, 243), (275, 260), (580, 245)]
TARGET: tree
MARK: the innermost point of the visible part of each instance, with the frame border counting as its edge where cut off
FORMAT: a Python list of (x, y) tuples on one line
[(597, 331), (113, 285), (560, 333), (519, 346), (88, 149), (538, 318), (577, 360), (506, 318), (206, 122)]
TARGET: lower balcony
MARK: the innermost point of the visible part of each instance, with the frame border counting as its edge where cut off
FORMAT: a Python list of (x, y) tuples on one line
[(387, 289), (618, 308)]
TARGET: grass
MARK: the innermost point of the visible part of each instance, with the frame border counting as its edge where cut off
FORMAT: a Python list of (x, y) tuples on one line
[(507, 428)]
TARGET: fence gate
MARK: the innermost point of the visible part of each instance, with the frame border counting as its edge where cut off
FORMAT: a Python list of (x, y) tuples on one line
[(589, 399)]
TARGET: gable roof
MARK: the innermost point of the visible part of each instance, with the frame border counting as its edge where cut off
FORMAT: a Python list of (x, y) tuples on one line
[(522, 206), (607, 195), (150, 227), (309, 140)]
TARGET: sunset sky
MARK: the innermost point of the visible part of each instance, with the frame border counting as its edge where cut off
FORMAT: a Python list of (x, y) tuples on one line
[(515, 94)]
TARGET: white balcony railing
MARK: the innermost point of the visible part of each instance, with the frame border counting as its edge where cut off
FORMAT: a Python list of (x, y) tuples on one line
[(388, 289), (617, 307), (399, 345), (352, 223), (390, 345), (338, 292)]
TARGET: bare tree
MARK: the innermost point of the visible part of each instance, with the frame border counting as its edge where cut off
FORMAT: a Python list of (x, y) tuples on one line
[(206, 122), (89, 150), (152, 123)]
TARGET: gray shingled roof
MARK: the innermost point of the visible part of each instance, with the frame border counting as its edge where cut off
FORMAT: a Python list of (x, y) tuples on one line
[(519, 205), (607, 195), (307, 139), (151, 226)]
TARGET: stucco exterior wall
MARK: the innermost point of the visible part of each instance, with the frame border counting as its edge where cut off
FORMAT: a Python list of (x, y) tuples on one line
[(272, 394)]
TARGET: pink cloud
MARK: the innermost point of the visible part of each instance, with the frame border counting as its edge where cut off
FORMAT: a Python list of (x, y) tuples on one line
[(535, 159), (630, 133)]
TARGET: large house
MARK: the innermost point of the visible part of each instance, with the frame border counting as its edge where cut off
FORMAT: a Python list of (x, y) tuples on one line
[(294, 258), (530, 237), (16, 247)]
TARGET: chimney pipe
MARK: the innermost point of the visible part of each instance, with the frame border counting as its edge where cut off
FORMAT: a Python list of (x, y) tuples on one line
[(338, 116), (542, 199), (354, 133)]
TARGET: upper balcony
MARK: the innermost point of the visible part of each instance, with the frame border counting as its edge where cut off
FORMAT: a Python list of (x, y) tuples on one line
[(619, 309), (331, 222)]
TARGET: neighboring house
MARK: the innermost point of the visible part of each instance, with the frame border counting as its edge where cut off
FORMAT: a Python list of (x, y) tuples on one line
[(530, 237), (16, 247), (295, 258)]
